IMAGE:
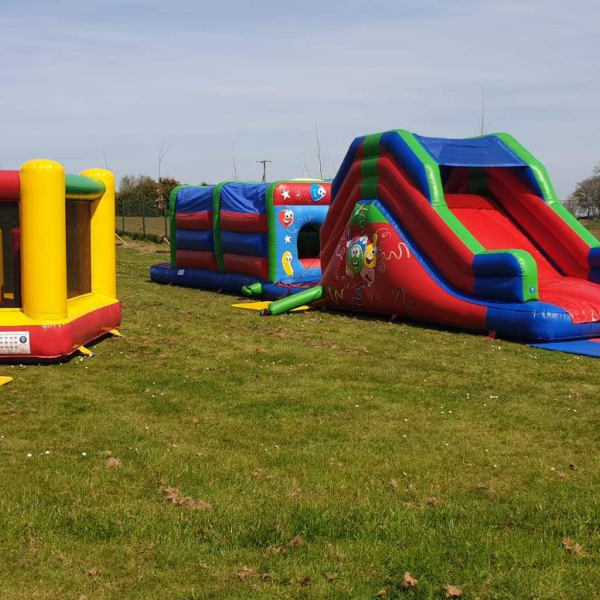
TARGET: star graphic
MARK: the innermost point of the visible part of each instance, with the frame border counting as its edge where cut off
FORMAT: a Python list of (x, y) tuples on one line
[(288, 239), (286, 194)]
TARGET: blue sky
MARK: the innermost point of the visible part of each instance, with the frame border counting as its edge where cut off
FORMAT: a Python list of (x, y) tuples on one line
[(82, 78)]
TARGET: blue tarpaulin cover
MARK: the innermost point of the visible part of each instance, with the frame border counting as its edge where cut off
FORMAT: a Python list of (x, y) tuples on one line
[(244, 197), (194, 199), (488, 151)]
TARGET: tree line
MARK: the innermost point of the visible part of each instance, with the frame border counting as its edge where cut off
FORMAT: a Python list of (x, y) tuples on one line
[(585, 200), (142, 195)]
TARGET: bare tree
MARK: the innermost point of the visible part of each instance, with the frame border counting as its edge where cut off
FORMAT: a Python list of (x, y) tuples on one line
[(159, 195), (305, 168), (319, 151), (482, 115), (234, 166)]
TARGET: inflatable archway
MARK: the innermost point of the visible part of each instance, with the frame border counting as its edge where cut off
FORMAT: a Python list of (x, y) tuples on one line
[(262, 238)]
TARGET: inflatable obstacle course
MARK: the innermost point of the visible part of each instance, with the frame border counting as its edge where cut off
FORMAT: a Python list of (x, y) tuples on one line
[(57, 260), (463, 232), (260, 239)]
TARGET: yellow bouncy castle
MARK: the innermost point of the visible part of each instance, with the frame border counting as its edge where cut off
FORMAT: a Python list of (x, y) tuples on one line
[(57, 260)]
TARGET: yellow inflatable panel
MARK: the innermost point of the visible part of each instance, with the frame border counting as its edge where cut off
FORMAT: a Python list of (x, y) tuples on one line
[(263, 305)]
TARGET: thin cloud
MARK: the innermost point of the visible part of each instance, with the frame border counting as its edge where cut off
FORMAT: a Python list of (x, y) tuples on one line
[(121, 76)]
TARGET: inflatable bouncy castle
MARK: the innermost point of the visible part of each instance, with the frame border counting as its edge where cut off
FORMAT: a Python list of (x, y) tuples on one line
[(252, 238), (463, 232), (57, 260)]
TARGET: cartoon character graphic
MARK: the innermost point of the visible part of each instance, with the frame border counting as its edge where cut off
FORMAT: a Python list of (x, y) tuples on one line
[(355, 252), (317, 192), (361, 258), (286, 217), (286, 263)]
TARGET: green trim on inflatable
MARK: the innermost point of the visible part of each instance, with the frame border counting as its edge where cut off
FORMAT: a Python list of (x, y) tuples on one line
[(368, 166), (271, 232), (288, 303), (548, 192), (172, 223), (432, 169), (78, 186), (217, 224), (364, 214)]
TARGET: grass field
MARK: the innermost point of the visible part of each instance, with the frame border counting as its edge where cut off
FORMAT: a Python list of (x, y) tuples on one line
[(214, 454)]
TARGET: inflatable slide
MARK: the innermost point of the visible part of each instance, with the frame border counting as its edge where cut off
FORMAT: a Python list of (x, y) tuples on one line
[(259, 239), (467, 233)]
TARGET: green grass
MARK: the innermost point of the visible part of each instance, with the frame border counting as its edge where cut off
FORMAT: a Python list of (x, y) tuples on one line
[(336, 453)]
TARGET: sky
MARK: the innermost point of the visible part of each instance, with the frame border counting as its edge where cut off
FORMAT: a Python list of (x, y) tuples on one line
[(93, 82)]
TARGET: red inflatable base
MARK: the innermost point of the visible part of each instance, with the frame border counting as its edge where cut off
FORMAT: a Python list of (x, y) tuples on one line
[(56, 341)]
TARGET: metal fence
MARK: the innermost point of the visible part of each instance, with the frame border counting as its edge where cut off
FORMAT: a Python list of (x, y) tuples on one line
[(139, 219)]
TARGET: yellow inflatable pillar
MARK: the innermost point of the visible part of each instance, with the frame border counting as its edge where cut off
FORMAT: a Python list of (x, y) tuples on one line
[(104, 276), (43, 240)]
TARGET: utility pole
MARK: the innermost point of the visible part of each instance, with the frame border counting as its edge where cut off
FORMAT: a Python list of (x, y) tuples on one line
[(264, 164)]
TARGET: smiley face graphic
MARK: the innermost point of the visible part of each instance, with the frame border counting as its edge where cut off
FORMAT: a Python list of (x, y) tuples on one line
[(286, 217), (286, 263)]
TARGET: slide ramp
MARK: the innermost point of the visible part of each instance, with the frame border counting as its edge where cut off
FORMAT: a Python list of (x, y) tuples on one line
[(465, 233)]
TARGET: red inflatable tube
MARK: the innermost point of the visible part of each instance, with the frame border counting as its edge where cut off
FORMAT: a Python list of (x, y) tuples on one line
[(254, 266), (243, 222), (194, 221), (556, 238), (196, 259), (10, 185)]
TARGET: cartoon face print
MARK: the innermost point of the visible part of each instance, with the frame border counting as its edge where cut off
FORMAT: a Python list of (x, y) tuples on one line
[(355, 250), (286, 263), (317, 192), (361, 258), (286, 217), (370, 258)]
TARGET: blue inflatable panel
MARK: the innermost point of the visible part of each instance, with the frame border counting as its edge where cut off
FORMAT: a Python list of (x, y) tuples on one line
[(194, 199), (244, 197), (248, 244), (201, 278), (404, 154), (581, 347), (488, 151), (195, 240)]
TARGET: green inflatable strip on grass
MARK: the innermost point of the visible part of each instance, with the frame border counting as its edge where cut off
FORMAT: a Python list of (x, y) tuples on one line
[(288, 303)]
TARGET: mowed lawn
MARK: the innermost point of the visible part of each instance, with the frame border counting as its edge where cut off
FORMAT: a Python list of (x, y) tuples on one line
[(213, 453)]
